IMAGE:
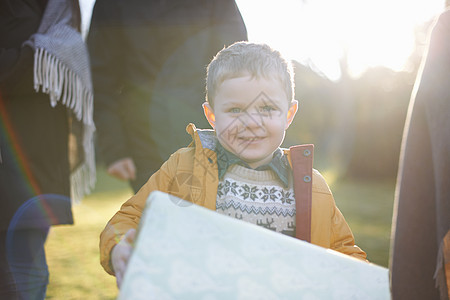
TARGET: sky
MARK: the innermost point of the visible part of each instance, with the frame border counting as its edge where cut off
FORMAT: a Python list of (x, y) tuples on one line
[(317, 32), (373, 33)]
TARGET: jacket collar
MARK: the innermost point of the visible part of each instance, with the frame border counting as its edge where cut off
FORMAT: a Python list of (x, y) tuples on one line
[(206, 138)]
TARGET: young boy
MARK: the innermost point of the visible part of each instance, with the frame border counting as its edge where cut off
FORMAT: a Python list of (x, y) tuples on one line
[(238, 169)]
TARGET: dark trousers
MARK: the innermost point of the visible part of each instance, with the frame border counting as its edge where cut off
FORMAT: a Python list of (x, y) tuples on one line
[(23, 266)]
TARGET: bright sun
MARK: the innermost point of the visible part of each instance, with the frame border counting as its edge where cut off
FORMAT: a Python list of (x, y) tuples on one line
[(371, 32)]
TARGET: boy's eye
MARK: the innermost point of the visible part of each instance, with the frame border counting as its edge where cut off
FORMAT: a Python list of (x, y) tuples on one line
[(235, 110), (267, 108)]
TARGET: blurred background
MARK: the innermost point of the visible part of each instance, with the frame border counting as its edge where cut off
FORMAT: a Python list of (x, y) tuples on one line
[(355, 62)]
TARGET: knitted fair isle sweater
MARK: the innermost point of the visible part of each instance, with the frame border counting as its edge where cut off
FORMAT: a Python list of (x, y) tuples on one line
[(257, 197)]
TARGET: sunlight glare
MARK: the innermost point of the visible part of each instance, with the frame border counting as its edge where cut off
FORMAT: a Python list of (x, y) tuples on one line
[(320, 32)]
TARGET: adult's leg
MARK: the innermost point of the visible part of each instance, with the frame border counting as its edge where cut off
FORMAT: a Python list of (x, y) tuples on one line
[(8, 288), (27, 262)]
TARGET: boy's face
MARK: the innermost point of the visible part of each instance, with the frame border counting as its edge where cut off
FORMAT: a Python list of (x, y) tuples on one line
[(250, 117)]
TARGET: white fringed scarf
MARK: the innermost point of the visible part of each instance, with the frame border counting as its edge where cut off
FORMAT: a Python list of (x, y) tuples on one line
[(62, 70)]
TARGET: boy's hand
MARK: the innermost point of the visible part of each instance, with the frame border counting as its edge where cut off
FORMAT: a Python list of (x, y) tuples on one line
[(123, 169), (120, 255)]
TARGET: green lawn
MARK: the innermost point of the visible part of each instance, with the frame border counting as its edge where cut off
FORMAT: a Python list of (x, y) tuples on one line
[(367, 207), (72, 251)]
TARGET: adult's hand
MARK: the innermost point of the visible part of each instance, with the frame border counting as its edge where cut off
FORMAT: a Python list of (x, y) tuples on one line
[(123, 169), (120, 255)]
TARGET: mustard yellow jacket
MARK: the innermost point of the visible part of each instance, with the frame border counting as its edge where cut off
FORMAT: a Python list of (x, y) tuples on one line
[(191, 173)]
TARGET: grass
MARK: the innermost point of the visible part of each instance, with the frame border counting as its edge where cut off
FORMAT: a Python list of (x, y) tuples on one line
[(367, 207), (72, 251)]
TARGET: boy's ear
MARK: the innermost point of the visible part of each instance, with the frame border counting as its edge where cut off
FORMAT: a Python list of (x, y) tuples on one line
[(291, 113), (209, 114)]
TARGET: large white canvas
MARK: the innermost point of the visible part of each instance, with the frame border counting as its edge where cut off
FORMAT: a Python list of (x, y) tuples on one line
[(184, 251)]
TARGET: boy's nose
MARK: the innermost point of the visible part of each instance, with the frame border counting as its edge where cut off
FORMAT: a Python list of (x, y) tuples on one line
[(254, 120)]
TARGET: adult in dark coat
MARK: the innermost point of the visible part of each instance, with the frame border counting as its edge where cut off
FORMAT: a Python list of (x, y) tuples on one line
[(35, 172), (148, 62), (422, 206)]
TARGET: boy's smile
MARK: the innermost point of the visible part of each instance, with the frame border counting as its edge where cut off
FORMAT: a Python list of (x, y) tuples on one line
[(250, 117)]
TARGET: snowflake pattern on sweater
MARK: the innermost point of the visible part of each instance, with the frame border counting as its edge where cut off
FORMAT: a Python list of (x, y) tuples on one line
[(256, 196)]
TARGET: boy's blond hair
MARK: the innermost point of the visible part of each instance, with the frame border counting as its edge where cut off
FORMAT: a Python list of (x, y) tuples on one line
[(259, 60)]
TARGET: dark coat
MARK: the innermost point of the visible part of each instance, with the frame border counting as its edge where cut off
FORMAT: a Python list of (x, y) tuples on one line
[(148, 62), (34, 167), (422, 207)]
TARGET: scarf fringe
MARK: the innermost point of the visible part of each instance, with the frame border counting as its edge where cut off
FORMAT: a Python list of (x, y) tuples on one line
[(63, 85), (83, 178)]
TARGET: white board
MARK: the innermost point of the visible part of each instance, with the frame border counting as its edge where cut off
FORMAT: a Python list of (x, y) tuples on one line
[(184, 251)]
